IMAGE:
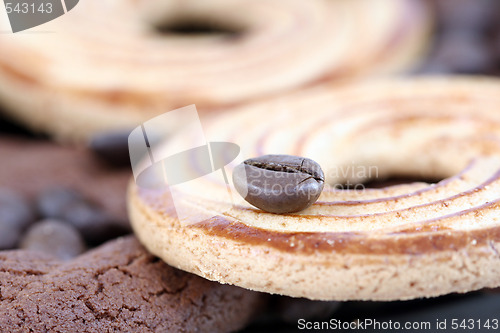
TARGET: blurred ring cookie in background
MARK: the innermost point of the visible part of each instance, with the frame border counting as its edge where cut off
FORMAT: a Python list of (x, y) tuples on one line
[(419, 239), (113, 64)]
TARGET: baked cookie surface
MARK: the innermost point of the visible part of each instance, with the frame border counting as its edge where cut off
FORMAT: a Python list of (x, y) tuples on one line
[(399, 242), (118, 287)]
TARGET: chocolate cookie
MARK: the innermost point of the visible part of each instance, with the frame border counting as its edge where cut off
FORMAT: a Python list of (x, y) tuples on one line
[(116, 287)]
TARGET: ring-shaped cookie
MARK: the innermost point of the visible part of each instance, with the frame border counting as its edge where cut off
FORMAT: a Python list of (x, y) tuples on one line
[(399, 242)]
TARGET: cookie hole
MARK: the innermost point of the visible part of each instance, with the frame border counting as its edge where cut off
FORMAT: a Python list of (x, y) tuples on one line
[(197, 27), (361, 177), (386, 182), (399, 180)]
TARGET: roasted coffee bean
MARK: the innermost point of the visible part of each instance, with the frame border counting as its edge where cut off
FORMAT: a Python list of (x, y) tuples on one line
[(54, 237), (95, 225), (471, 15), (431, 67), (496, 48), (463, 53), (16, 214), (67, 205), (111, 147), (279, 183), (52, 202)]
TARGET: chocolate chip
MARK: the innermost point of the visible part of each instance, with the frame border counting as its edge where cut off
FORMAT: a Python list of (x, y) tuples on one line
[(54, 237), (111, 147), (16, 214), (279, 183), (93, 223)]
